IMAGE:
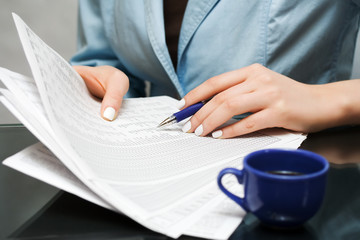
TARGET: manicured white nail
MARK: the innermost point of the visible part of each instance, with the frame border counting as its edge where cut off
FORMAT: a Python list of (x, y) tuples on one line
[(187, 126), (199, 130), (217, 134), (109, 113), (181, 103)]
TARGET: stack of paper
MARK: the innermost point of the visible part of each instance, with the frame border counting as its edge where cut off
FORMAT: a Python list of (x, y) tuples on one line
[(162, 178)]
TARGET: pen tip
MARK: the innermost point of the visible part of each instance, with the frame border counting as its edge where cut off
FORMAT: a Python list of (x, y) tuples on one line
[(167, 121)]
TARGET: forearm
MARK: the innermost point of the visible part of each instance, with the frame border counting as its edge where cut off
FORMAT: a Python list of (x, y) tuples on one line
[(345, 95), (274, 101)]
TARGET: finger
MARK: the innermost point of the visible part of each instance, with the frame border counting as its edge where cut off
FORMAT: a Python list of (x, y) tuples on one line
[(234, 106), (220, 83), (232, 93), (91, 80), (116, 85), (257, 121)]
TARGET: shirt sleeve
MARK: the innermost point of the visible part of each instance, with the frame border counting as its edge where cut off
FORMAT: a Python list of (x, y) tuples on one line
[(94, 48)]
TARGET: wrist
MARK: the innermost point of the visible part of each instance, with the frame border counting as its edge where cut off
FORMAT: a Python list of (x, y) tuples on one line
[(346, 100)]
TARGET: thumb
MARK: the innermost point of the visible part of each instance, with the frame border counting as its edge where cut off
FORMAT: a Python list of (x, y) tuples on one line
[(108, 83), (116, 86)]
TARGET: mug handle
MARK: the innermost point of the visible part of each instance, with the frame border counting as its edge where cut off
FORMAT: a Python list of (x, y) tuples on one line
[(239, 174)]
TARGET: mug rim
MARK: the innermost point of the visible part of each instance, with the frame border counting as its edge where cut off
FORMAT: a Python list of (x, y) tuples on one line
[(313, 155)]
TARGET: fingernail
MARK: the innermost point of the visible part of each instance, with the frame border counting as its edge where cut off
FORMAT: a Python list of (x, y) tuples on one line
[(186, 127), (217, 134), (199, 130), (181, 103), (109, 113)]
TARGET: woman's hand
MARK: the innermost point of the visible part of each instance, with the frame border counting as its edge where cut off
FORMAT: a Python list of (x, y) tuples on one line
[(107, 83), (274, 101)]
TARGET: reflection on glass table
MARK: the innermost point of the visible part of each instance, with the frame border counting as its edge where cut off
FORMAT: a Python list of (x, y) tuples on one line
[(30, 209)]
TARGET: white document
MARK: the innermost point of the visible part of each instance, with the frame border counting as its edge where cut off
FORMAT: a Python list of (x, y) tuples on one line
[(162, 178), (38, 162)]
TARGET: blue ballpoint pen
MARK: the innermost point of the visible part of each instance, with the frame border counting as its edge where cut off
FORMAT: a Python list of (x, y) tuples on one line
[(181, 115)]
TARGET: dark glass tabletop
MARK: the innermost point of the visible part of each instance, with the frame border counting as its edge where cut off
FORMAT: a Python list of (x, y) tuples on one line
[(30, 209)]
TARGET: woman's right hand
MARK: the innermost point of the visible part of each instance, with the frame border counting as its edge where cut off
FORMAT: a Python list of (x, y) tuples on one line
[(108, 83)]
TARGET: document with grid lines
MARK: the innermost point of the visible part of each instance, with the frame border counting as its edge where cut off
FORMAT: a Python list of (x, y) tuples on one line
[(160, 177)]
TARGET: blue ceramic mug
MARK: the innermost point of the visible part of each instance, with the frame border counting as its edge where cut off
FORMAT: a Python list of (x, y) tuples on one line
[(282, 188)]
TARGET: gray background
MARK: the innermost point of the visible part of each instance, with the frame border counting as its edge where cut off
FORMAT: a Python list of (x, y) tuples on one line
[(55, 22)]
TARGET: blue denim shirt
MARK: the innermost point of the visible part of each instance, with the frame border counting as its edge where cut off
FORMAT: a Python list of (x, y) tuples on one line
[(311, 41)]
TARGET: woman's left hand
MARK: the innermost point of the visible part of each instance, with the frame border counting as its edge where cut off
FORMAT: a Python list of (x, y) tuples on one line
[(273, 99)]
